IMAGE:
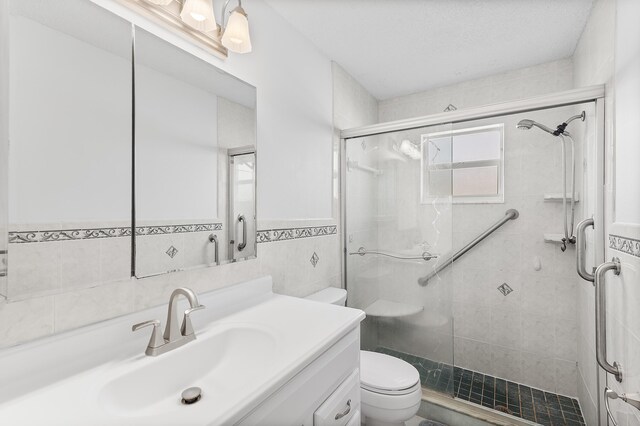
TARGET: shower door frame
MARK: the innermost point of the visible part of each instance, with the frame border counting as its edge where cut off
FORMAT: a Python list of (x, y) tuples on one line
[(595, 94)]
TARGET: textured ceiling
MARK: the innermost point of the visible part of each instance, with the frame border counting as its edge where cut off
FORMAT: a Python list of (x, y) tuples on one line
[(398, 47)]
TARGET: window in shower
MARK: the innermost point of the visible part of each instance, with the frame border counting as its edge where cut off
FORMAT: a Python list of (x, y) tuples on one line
[(467, 164)]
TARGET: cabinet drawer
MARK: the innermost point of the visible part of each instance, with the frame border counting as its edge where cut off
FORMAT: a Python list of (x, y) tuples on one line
[(355, 420), (341, 405)]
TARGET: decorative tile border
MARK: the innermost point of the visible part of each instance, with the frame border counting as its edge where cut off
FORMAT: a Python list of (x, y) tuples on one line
[(177, 229), (67, 235), (625, 245), (264, 236), (271, 235), (95, 233)]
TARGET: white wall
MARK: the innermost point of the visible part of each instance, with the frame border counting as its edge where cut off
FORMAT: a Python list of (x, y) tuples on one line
[(4, 140), (176, 150), (294, 105), (623, 213), (593, 62), (517, 84), (59, 79), (296, 174), (627, 80)]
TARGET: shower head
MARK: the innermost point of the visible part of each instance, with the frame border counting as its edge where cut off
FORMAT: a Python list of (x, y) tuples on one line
[(525, 124), (528, 124)]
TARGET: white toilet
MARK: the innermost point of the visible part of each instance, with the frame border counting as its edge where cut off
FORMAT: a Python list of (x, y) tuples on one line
[(389, 387)]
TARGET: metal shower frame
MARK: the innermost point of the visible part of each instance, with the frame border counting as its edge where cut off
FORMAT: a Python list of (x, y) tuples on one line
[(595, 94)]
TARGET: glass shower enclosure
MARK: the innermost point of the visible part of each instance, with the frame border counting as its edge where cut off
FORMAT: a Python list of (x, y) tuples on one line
[(398, 223), (488, 327)]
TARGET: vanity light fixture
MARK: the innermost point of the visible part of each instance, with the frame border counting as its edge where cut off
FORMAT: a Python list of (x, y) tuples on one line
[(198, 14), (235, 36)]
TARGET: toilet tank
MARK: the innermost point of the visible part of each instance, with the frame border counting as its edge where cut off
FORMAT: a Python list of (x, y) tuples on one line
[(335, 296)]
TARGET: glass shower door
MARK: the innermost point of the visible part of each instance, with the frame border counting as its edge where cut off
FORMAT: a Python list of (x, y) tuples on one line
[(398, 228), (242, 204)]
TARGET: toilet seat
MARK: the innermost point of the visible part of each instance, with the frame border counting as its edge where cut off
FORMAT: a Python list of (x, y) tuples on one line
[(387, 375)]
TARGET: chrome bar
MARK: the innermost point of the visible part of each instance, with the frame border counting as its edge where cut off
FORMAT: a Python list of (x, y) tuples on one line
[(581, 249), (601, 317), (214, 240), (354, 165), (610, 394), (424, 256), (632, 399), (569, 97), (510, 214), (243, 221)]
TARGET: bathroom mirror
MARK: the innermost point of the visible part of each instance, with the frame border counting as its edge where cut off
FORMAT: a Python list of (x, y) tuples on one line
[(195, 161), (70, 120)]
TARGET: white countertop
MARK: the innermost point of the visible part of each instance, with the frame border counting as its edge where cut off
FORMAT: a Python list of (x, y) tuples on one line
[(289, 333)]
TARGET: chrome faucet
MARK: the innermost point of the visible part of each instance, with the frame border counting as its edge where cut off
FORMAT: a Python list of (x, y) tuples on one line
[(173, 336)]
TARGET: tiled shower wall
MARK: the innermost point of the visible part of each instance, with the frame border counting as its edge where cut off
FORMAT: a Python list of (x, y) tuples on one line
[(518, 84), (521, 337)]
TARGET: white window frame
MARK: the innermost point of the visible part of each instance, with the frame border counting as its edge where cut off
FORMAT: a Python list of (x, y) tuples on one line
[(425, 167)]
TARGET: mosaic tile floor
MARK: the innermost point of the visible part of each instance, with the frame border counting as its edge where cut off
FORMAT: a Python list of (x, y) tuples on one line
[(528, 403)]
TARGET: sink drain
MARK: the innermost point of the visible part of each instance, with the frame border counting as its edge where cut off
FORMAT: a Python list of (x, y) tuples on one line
[(191, 395)]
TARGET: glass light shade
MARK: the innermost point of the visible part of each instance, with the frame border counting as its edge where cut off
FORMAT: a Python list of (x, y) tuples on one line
[(160, 2), (236, 36), (198, 14)]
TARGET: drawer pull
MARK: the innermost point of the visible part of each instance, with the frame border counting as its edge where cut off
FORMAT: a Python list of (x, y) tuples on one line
[(346, 411)]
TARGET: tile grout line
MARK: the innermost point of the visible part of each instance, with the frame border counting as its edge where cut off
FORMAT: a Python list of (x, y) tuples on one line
[(549, 411)]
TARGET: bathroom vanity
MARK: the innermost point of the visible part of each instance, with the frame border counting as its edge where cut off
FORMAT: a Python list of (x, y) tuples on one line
[(259, 358)]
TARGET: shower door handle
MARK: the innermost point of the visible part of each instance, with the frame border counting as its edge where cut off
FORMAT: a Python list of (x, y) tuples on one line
[(601, 317), (243, 221), (214, 239), (581, 249)]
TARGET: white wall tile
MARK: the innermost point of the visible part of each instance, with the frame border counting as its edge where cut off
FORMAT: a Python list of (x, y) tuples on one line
[(25, 320)]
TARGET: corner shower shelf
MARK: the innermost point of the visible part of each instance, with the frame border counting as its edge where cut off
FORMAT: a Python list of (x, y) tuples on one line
[(389, 309), (557, 197), (553, 238)]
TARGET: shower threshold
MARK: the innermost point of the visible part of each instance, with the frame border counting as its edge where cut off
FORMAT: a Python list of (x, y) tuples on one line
[(495, 395)]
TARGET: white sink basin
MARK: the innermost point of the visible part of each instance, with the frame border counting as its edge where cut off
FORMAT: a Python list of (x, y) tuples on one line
[(221, 360), (250, 342)]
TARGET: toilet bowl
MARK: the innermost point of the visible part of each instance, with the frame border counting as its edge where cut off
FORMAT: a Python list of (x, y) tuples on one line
[(389, 387)]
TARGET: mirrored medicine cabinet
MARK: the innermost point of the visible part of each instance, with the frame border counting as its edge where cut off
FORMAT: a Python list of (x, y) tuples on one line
[(127, 155)]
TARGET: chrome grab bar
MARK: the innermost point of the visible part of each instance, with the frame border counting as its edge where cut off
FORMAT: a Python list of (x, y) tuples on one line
[(510, 214), (243, 221), (631, 399), (424, 256), (581, 249), (214, 239), (601, 318)]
